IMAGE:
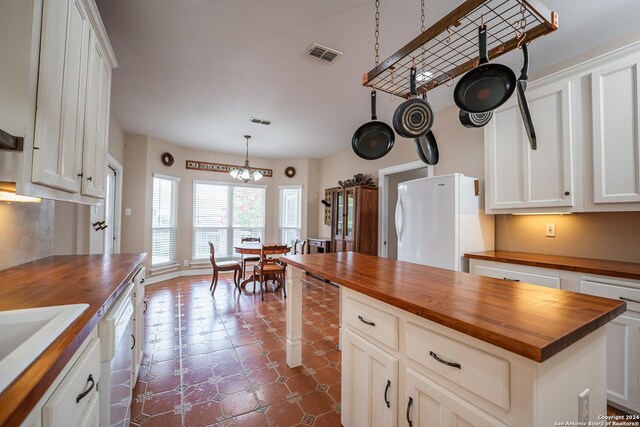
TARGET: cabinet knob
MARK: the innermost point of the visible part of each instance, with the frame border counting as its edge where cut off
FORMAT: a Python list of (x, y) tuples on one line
[(566, 193), (89, 178)]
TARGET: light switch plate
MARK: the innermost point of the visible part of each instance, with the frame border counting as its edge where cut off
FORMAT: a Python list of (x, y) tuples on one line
[(127, 211)]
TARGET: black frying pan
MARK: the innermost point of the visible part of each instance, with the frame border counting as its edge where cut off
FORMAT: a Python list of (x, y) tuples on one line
[(487, 86), (427, 148), (374, 139), (414, 117), (474, 120), (521, 86)]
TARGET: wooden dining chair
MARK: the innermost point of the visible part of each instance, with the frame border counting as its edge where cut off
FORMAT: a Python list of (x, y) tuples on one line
[(298, 247), (223, 266), (269, 267), (249, 258)]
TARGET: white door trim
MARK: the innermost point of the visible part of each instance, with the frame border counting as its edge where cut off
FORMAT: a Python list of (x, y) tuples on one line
[(115, 165), (383, 176)]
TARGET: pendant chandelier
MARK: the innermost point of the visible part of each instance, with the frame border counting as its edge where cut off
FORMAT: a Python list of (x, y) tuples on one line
[(245, 173)]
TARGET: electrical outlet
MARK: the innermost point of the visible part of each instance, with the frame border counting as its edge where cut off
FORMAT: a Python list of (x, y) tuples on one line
[(550, 230), (583, 406), (185, 263), (127, 211)]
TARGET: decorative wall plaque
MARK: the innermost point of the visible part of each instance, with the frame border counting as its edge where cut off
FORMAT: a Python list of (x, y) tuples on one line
[(221, 167)]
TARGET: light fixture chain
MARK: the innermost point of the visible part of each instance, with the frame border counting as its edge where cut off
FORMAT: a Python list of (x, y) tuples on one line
[(422, 27), (377, 32)]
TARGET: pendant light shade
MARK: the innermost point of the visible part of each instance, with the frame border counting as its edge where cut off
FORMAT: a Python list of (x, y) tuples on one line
[(246, 173)]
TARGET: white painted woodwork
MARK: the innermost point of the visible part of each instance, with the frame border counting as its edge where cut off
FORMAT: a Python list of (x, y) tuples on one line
[(92, 415), (481, 373), (294, 316), (623, 341), (62, 409), (366, 371), (616, 142), (97, 121), (434, 406), (61, 95), (509, 274), (138, 324), (385, 328), (521, 178)]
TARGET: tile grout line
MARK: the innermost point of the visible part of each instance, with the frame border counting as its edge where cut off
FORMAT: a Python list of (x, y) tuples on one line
[(182, 411)]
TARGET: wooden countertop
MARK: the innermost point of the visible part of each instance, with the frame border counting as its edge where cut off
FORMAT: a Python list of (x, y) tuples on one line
[(533, 321), (96, 280), (627, 270)]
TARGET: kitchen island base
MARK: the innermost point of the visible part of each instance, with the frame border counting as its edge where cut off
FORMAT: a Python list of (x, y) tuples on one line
[(405, 369)]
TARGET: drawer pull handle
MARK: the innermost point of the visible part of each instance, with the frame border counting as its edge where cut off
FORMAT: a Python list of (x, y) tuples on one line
[(409, 412), (87, 391), (630, 300), (145, 307), (134, 341), (366, 322), (386, 393), (513, 280), (444, 362)]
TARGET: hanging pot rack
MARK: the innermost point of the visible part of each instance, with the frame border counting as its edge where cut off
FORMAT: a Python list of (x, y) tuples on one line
[(450, 45)]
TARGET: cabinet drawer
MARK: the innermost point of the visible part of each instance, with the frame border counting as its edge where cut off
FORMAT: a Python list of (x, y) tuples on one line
[(594, 286), (535, 279), (479, 372), (371, 321), (63, 408)]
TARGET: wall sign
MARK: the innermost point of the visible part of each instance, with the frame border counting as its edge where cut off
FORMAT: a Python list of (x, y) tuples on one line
[(222, 167)]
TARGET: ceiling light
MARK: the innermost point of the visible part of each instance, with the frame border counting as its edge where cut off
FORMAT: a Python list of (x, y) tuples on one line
[(424, 76), (245, 173)]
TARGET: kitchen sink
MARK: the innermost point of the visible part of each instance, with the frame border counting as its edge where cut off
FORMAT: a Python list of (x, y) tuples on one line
[(27, 333)]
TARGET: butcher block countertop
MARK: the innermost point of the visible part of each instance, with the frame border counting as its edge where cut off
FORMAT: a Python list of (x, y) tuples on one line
[(627, 270), (533, 321), (96, 280)]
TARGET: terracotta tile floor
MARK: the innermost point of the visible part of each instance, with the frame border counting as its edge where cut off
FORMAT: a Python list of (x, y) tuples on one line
[(219, 362)]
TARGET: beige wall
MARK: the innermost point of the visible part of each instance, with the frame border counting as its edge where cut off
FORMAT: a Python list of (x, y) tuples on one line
[(605, 235), (142, 160), (27, 232), (116, 140)]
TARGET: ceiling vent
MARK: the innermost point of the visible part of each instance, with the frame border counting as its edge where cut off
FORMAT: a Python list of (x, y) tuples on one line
[(260, 121), (322, 52)]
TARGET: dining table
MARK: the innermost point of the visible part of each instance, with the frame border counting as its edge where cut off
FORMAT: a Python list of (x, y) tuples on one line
[(252, 248)]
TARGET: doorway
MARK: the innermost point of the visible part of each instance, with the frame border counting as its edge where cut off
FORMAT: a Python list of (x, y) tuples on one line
[(112, 207), (388, 180)]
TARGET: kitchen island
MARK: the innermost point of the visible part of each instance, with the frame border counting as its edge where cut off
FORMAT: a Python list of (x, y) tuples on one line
[(423, 343)]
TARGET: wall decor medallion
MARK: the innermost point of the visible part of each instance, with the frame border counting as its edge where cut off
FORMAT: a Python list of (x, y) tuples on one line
[(290, 172), (167, 159), (222, 167)]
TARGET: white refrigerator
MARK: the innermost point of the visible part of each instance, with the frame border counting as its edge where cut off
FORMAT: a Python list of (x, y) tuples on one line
[(439, 219)]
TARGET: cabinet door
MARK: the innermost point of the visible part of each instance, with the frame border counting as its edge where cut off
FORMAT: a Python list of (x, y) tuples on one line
[(369, 384), (523, 178), (350, 219), (337, 228), (96, 122), (61, 95), (428, 404), (616, 146)]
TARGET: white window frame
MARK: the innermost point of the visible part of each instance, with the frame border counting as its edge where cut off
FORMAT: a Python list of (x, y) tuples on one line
[(174, 208), (280, 217), (230, 228)]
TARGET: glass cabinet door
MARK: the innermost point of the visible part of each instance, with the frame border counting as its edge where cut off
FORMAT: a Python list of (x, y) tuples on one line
[(339, 214), (350, 211)]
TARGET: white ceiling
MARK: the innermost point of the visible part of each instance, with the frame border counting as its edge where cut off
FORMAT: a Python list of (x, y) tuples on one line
[(192, 72)]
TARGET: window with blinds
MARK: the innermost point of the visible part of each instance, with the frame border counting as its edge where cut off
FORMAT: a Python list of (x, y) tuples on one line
[(290, 213), (164, 222), (224, 214)]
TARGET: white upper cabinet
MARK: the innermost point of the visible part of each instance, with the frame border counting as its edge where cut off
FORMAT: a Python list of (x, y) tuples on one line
[(55, 93), (616, 148), (520, 178), (96, 121), (61, 94)]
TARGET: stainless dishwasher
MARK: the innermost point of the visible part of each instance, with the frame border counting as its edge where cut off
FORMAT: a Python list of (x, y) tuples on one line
[(115, 332)]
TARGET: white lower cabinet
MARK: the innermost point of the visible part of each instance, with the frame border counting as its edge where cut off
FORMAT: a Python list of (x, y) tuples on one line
[(139, 308), (623, 343), (431, 405), (399, 369), (369, 385)]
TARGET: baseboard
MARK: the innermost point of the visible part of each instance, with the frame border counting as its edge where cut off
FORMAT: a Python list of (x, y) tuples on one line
[(176, 274)]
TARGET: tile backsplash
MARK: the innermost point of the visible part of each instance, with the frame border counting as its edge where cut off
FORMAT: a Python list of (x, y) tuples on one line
[(26, 232)]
